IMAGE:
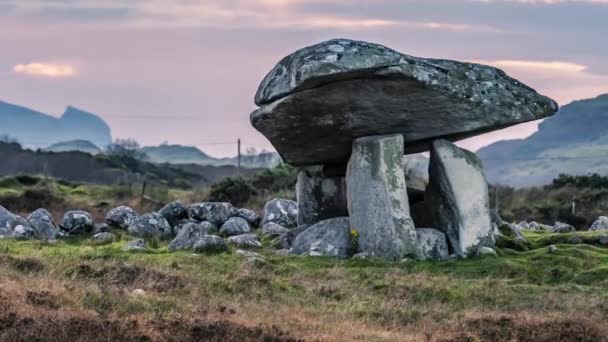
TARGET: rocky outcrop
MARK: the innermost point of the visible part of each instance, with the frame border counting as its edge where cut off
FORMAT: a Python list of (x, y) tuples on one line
[(457, 198), (150, 225), (281, 211), (341, 90), (377, 198), (432, 244), (320, 197), (121, 217), (214, 212), (326, 238), (77, 222)]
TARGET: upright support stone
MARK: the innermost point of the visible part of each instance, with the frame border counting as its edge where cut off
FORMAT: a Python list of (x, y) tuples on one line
[(377, 197), (319, 197), (457, 198)]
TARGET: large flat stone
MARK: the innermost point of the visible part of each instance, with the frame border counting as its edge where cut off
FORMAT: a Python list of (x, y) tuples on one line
[(316, 101), (457, 198), (319, 197), (377, 198)]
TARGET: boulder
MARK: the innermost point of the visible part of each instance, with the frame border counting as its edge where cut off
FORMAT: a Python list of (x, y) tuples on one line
[(22, 230), (330, 237), (281, 211), (285, 241), (182, 223), (103, 238), (214, 212), (561, 227), (150, 225), (121, 217), (173, 212), (6, 219), (457, 198), (77, 222), (190, 233), (235, 226), (320, 197), (102, 228), (42, 222), (432, 244), (273, 230), (245, 241), (135, 245), (377, 199), (316, 101), (600, 224), (250, 216), (210, 244)]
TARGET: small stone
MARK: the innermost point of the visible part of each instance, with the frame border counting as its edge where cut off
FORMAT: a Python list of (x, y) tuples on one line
[(552, 248), (210, 244), (362, 255), (560, 227), (273, 229), (248, 254), (245, 241), (602, 240), (575, 240), (138, 292), (103, 238), (102, 228), (135, 245), (282, 252), (486, 251)]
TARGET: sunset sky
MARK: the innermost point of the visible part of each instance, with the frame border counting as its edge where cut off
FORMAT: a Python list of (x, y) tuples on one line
[(186, 71)]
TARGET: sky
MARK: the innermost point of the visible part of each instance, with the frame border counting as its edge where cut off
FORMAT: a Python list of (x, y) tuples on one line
[(185, 71)]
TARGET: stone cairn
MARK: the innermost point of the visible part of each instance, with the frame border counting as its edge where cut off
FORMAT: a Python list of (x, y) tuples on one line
[(346, 112)]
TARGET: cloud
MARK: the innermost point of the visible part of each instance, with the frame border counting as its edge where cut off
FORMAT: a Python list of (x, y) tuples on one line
[(45, 69)]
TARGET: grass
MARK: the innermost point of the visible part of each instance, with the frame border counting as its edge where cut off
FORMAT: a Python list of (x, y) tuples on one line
[(532, 293)]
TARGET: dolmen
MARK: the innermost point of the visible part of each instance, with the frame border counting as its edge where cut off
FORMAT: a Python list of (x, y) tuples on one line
[(346, 112)]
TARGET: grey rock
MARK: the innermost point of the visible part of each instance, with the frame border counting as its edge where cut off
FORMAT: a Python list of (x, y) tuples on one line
[(235, 226), (214, 212), (532, 226), (248, 254), (173, 212), (42, 222), (102, 228), (486, 251), (135, 245), (330, 237), (600, 224), (319, 197), (250, 216), (432, 244), (281, 211), (314, 102), (190, 233), (552, 248), (150, 225), (377, 199), (561, 227), (416, 171), (285, 241), (6, 219), (457, 198), (103, 238), (121, 217), (362, 255), (77, 222), (602, 240), (575, 240), (182, 223), (245, 241), (210, 244), (272, 229), (21, 229)]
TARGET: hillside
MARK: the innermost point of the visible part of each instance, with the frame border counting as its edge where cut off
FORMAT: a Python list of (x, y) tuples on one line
[(38, 130), (74, 145), (573, 141), (179, 154)]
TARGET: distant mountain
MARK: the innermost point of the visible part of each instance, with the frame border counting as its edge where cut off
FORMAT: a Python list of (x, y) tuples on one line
[(178, 154), (573, 141), (37, 130), (73, 146)]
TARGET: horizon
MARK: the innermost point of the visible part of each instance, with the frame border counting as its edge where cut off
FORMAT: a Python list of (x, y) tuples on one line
[(189, 72)]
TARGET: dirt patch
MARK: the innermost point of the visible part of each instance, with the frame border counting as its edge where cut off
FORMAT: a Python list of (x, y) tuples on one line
[(128, 276), (507, 328), (25, 265)]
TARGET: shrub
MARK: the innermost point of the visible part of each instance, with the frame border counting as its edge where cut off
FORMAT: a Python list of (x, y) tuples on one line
[(236, 190)]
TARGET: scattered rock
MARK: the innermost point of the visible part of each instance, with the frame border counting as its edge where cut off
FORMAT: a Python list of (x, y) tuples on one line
[(486, 251), (149, 225), (273, 229), (121, 217), (600, 224), (77, 222), (245, 241), (173, 212), (250, 216), (314, 102), (552, 248), (42, 222), (560, 227), (328, 238), (190, 234), (135, 245), (320, 197), (457, 198), (235, 226), (103, 238), (432, 244), (210, 244), (214, 212), (281, 211), (377, 198)]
